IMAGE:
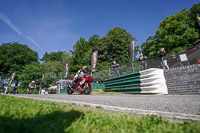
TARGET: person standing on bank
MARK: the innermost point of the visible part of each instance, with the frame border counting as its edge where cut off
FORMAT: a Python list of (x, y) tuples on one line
[(142, 58), (31, 87), (115, 68), (163, 60)]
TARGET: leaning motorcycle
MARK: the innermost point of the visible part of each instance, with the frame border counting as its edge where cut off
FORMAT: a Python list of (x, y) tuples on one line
[(84, 85)]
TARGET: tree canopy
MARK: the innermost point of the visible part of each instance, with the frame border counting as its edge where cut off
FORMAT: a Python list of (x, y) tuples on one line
[(176, 32), (114, 46), (61, 56), (53, 66), (30, 72), (82, 51), (115, 43), (14, 56)]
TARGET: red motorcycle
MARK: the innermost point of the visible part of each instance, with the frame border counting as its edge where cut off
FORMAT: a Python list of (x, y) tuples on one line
[(84, 85)]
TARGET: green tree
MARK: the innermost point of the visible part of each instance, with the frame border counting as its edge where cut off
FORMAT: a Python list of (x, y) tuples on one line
[(175, 33), (29, 73), (61, 56), (78, 54), (14, 56), (115, 46), (192, 15), (53, 66), (53, 72), (82, 51)]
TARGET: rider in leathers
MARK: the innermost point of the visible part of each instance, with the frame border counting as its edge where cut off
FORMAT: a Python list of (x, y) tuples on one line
[(80, 73)]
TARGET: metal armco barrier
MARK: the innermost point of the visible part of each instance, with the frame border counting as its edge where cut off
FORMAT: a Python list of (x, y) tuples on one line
[(98, 86), (150, 81)]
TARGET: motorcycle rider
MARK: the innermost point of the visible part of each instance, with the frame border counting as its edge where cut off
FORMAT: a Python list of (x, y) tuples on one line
[(80, 73), (31, 87)]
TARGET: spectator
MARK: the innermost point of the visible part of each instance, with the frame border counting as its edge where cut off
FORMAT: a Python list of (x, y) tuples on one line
[(31, 87), (163, 60), (142, 60), (115, 68)]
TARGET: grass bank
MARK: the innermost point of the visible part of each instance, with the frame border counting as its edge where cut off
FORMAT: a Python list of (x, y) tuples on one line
[(32, 116)]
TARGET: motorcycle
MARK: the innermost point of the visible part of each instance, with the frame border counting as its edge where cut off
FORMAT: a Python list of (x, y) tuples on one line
[(84, 85)]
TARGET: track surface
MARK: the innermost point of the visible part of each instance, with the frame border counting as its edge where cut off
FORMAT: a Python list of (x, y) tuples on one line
[(169, 104)]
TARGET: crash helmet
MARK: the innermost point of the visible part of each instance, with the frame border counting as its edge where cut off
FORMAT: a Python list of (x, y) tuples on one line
[(85, 68)]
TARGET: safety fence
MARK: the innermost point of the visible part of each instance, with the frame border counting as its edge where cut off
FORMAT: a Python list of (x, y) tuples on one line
[(151, 81), (98, 86)]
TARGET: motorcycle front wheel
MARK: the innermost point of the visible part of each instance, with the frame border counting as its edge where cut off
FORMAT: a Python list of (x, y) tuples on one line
[(87, 90), (69, 90)]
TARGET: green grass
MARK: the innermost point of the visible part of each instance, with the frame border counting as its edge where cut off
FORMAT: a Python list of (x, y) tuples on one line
[(20, 115), (101, 91)]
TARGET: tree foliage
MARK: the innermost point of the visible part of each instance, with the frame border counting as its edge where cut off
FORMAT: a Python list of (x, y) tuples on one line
[(29, 73), (114, 46), (60, 56), (14, 56), (53, 66), (193, 12), (176, 32), (53, 72), (82, 51)]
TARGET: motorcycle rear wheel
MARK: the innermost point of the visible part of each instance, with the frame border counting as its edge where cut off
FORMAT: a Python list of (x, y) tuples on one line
[(87, 90)]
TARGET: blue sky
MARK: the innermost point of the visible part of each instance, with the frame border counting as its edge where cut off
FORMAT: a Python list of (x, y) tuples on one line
[(53, 25)]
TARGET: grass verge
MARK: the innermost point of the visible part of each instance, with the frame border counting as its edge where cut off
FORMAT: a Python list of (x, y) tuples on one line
[(101, 91), (32, 116)]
